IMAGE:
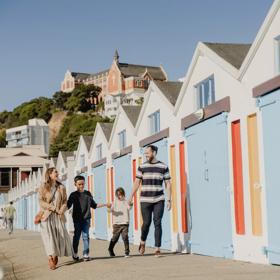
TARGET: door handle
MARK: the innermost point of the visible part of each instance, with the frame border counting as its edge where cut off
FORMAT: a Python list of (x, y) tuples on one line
[(206, 175), (257, 186)]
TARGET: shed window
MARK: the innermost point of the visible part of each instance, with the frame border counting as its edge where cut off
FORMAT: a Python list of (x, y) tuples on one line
[(205, 92), (82, 161), (277, 55), (155, 122), (99, 151), (122, 139)]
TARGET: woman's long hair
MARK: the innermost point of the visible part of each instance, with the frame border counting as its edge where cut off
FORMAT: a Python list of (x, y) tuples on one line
[(48, 181)]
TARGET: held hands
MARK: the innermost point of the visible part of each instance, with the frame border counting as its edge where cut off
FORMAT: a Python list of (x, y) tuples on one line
[(52, 208), (108, 205)]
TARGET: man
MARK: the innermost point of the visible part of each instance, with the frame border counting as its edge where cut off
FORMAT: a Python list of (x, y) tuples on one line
[(150, 176), (10, 215)]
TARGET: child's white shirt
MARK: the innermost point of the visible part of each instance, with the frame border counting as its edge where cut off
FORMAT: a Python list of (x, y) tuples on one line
[(120, 210)]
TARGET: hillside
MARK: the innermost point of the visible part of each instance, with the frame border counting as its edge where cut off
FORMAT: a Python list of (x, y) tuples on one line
[(56, 123), (68, 115)]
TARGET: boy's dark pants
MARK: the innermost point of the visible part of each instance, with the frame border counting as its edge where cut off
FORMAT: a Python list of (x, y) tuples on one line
[(117, 231), (81, 227)]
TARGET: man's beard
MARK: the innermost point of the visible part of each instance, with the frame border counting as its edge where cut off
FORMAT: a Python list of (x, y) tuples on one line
[(151, 159)]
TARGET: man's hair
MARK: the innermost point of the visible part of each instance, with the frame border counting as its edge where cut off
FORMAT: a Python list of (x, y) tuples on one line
[(78, 178), (153, 148), (120, 191), (11, 202)]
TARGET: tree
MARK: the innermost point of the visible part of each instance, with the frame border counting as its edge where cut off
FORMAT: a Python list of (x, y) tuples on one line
[(3, 138), (60, 98), (74, 126), (82, 98)]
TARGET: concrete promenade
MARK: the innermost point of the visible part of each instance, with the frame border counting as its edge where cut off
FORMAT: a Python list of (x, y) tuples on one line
[(22, 257)]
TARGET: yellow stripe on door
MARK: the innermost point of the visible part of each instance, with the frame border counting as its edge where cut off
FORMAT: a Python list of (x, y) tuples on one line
[(254, 175), (173, 188)]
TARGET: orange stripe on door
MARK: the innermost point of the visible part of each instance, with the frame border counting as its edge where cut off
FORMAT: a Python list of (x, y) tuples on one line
[(254, 174), (237, 177), (173, 188), (183, 187)]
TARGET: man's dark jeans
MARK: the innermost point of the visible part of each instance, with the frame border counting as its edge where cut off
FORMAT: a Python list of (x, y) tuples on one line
[(81, 227), (157, 210)]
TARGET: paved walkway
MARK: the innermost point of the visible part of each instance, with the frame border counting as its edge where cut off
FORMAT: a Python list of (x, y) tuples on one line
[(22, 257)]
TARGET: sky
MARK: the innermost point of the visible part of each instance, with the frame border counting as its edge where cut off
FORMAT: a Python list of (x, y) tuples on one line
[(40, 40)]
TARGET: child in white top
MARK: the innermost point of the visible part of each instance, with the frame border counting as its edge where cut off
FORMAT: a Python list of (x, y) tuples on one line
[(120, 210)]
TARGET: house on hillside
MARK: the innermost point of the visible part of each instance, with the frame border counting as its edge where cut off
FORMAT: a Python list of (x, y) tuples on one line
[(36, 132)]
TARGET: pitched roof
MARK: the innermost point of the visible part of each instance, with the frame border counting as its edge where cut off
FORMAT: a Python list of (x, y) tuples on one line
[(22, 161), (232, 53), (30, 150), (79, 76), (107, 129), (170, 89), (66, 154), (54, 160), (94, 75), (134, 70), (132, 113), (88, 140)]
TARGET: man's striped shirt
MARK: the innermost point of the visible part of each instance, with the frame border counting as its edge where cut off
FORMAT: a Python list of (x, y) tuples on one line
[(152, 176)]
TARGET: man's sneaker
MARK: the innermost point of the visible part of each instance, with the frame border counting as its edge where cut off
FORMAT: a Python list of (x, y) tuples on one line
[(127, 256), (86, 258), (157, 253), (75, 257), (141, 248), (111, 253)]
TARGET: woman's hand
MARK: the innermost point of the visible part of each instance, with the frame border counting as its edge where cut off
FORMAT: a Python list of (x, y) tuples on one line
[(52, 208)]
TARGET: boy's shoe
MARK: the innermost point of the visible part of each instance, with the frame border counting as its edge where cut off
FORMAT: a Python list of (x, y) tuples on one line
[(86, 258), (157, 254), (127, 256), (75, 257), (111, 253)]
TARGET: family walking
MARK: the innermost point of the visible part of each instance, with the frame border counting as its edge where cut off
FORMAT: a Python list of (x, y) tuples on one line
[(53, 203)]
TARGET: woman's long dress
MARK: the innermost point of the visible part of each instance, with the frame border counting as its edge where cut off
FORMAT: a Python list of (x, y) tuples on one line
[(54, 234)]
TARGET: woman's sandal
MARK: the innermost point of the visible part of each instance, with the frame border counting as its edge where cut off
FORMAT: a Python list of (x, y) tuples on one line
[(51, 264), (55, 260)]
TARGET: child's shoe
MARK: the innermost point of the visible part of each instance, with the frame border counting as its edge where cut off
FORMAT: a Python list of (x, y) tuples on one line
[(141, 248), (86, 258), (75, 257), (127, 255), (157, 254)]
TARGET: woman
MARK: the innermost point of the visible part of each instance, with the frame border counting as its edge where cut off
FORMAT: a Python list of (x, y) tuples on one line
[(53, 203)]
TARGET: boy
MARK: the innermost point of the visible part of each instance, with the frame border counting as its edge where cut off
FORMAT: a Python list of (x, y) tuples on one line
[(82, 202), (120, 210)]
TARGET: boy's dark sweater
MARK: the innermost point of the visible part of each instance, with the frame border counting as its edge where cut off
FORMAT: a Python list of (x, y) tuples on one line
[(82, 202)]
